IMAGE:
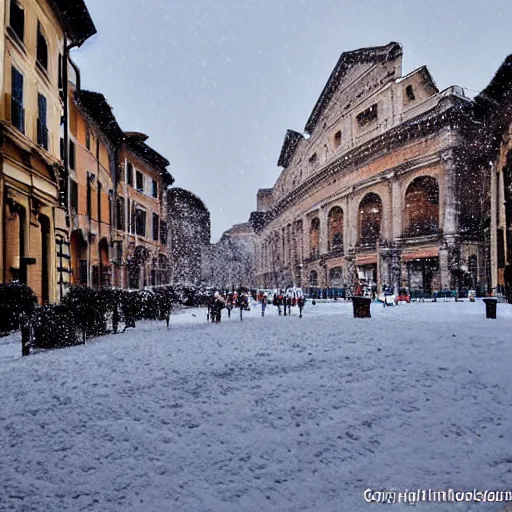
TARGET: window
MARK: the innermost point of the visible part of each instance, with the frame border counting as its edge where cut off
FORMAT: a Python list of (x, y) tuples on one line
[(42, 48), (62, 148), (410, 93), (42, 130), (72, 154), (120, 213), (89, 197), (131, 216), (156, 227), (129, 173), (88, 139), (63, 190), (74, 195), (60, 77), (368, 116), (139, 181), (154, 188), (501, 248), (163, 232), (99, 200), (82, 272), (17, 20), (313, 159), (110, 207), (17, 110), (337, 139), (140, 222)]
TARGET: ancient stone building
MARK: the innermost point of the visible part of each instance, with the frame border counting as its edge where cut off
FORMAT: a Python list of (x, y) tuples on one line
[(375, 188), (189, 235), (35, 37)]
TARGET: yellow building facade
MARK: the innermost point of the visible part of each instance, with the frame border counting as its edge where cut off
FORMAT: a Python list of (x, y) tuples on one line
[(36, 36)]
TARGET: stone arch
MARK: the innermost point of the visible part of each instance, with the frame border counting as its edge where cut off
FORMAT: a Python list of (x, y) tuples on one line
[(369, 218), (421, 207), (314, 237), (335, 228)]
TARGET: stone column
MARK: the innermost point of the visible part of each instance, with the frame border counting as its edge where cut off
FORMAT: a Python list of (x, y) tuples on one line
[(450, 221), (353, 215), (305, 236), (386, 231), (396, 208), (324, 232), (346, 225)]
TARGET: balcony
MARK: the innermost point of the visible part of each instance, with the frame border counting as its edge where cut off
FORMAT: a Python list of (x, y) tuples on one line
[(42, 134)]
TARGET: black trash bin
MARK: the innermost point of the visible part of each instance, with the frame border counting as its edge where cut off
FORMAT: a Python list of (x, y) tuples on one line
[(490, 307), (361, 307)]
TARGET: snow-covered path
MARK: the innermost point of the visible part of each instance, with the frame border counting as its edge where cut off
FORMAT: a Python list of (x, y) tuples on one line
[(268, 414)]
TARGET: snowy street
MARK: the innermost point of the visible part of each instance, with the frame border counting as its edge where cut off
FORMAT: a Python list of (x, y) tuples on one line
[(269, 414)]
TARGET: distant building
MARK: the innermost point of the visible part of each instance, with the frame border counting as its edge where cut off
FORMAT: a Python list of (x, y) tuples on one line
[(230, 263), (189, 235)]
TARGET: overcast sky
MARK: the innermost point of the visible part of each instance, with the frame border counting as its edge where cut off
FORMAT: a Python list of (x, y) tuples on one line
[(216, 83)]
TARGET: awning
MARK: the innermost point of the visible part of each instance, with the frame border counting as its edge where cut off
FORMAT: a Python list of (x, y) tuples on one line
[(431, 252), (366, 259)]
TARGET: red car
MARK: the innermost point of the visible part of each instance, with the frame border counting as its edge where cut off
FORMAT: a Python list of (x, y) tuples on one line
[(403, 295)]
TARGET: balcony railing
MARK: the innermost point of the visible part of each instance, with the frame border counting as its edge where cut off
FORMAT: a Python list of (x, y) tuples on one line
[(42, 134), (18, 115)]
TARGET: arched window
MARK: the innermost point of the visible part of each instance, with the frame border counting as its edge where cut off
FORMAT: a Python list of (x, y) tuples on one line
[(370, 215), (421, 209), (313, 278), (314, 237), (335, 219)]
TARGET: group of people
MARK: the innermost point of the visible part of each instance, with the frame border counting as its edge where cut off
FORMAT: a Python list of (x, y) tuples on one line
[(286, 301), (218, 302), (283, 302)]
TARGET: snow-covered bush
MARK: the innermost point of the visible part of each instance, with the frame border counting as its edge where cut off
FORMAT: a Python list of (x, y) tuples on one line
[(148, 305), (15, 298), (54, 326), (88, 307)]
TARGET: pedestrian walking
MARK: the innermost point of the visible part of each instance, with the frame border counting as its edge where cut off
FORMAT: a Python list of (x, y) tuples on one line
[(263, 304)]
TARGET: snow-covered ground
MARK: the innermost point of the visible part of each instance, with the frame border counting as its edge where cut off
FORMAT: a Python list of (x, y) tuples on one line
[(268, 414)]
